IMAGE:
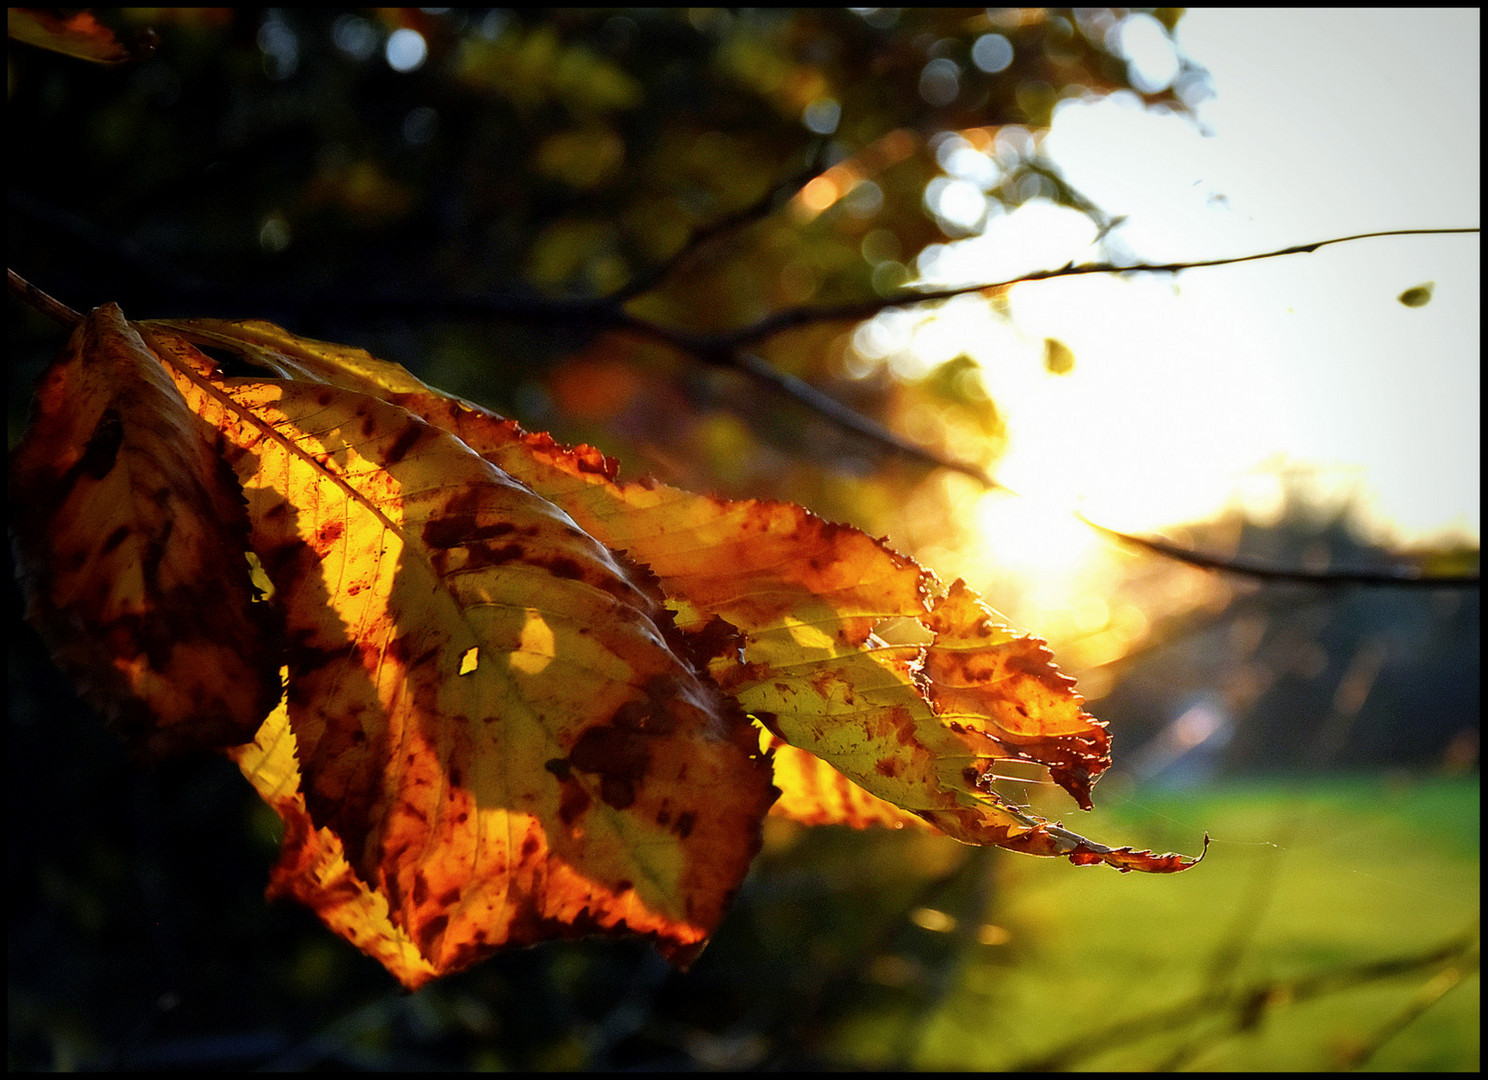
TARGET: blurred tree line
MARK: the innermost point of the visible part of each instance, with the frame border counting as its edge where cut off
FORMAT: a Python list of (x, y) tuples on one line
[(465, 205), (495, 198)]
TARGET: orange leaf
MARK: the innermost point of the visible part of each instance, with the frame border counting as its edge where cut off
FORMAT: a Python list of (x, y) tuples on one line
[(131, 539), (814, 793), (500, 732), (786, 605)]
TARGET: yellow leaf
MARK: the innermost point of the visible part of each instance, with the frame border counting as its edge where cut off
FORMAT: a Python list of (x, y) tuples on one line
[(497, 726), (312, 868), (814, 793), (784, 605)]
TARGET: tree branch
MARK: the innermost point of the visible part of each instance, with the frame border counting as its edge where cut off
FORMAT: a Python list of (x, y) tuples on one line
[(1258, 571), (729, 223), (850, 420), (731, 349), (792, 318)]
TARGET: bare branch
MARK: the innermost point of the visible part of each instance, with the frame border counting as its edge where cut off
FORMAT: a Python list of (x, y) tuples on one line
[(724, 348), (792, 318), (844, 417), (1250, 568), (729, 223), (729, 349), (850, 420)]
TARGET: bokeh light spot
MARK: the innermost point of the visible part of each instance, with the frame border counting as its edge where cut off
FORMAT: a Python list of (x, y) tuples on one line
[(1151, 60), (940, 82), (406, 50), (354, 36), (821, 116), (992, 53)]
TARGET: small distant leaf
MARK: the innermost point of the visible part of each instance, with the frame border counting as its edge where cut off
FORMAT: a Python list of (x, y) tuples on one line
[(1059, 358), (1418, 295), (131, 541)]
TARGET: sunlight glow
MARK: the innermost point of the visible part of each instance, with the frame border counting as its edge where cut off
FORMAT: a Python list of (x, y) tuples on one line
[(1148, 51), (1031, 537), (1223, 388)]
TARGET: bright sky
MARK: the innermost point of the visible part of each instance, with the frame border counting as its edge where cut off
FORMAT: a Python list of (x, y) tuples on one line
[(1187, 393)]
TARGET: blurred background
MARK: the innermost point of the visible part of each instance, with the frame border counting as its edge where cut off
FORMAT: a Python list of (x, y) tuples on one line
[(511, 202)]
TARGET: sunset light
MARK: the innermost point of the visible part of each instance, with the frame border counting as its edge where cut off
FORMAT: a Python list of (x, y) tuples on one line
[(1220, 388), (754, 539)]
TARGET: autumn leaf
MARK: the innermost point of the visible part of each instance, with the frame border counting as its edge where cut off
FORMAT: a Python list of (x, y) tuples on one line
[(812, 792), (312, 866), (499, 731), (518, 691), (131, 543), (76, 34), (786, 606)]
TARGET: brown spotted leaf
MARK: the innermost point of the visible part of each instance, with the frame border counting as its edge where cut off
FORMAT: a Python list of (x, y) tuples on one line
[(312, 867), (787, 607), (814, 793), (499, 733), (131, 541)]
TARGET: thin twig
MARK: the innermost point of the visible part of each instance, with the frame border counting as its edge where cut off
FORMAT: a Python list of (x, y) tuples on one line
[(729, 349), (1258, 571), (844, 417), (729, 223), (726, 347), (792, 318)]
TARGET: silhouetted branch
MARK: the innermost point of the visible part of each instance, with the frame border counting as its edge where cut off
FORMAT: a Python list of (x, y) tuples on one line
[(793, 318), (731, 349), (1259, 571), (844, 417), (729, 223), (831, 409)]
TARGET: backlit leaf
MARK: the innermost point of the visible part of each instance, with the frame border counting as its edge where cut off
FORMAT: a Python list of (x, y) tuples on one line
[(786, 605), (1059, 358), (498, 728), (814, 793), (131, 540)]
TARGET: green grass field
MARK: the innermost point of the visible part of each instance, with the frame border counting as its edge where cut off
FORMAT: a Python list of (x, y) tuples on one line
[(1270, 955)]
